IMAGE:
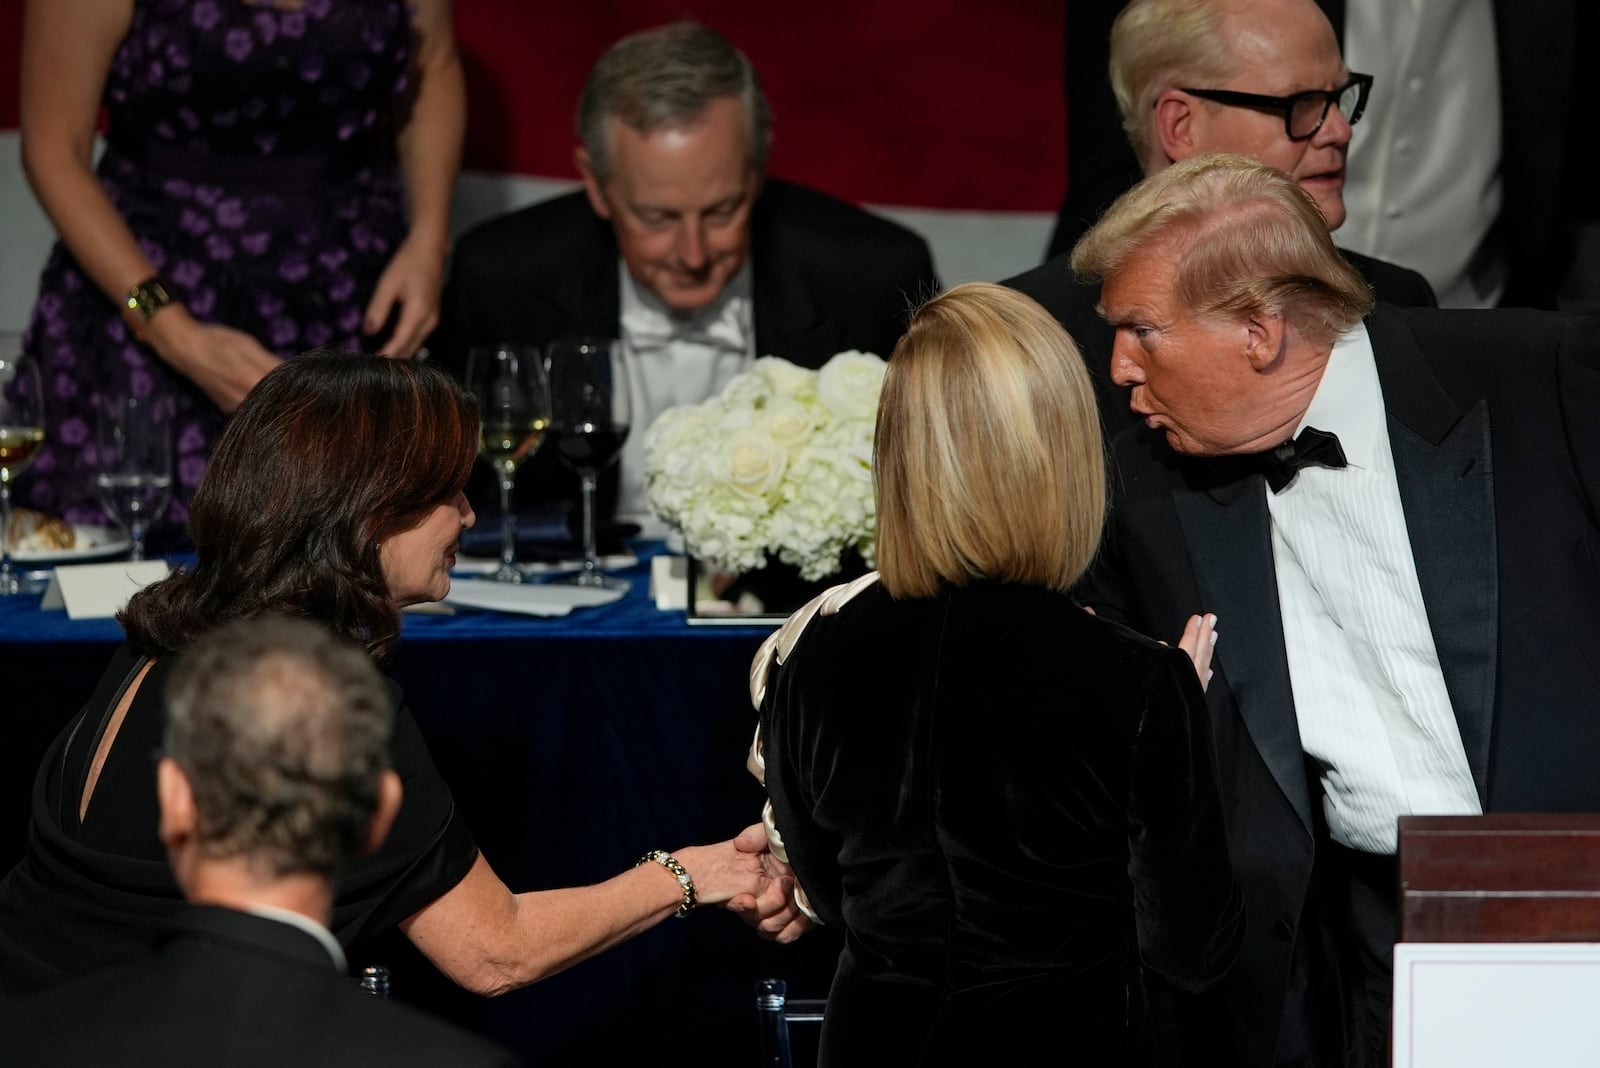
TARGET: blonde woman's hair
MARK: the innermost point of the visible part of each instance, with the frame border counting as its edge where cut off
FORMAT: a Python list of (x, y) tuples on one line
[(1248, 237), (988, 460), (1157, 45)]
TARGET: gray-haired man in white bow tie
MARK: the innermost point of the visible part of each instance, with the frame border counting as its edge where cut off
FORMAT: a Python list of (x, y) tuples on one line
[(679, 245)]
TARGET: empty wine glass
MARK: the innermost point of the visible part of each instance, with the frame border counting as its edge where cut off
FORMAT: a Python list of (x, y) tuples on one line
[(591, 397), (513, 395), (133, 463), (21, 435)]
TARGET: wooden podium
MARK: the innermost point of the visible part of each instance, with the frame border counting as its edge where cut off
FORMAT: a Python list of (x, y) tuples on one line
[(1500, 878), (1499, 955)]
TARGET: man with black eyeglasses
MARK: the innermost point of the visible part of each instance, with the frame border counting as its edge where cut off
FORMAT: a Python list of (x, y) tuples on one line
[(1262, 78)]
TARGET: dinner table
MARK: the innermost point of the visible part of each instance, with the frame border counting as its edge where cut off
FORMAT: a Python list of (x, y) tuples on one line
[(573, 745)]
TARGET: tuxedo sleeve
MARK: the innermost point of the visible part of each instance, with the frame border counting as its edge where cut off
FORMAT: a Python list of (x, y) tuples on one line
[(1188, 911)]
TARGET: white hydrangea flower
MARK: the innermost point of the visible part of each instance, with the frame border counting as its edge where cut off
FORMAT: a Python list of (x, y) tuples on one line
[(779, 464)]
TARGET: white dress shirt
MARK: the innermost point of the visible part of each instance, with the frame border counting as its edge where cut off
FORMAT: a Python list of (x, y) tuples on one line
[(1422, 182), (1368, 690), (676, 359)]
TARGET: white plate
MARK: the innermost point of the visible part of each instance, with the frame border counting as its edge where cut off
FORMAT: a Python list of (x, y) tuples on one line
[(483, 565), (92, 543), (529, 599)]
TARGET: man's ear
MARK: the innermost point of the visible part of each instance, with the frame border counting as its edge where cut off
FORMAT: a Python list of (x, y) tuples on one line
[(390, 794), (1178, 125), (1265, 334), (176, 800), (591, 183)]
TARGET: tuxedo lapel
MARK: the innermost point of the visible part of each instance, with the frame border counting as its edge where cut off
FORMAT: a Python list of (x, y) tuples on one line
[(1444, 467), (595, 291), (787, 322), (1228, 531)]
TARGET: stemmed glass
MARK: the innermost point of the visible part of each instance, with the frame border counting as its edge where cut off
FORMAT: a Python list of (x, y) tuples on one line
[(591, 399), (21, 434), (133, 462), (513, 395)]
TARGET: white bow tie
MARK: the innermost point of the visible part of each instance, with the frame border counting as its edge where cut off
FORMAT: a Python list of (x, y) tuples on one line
[(722, 327)]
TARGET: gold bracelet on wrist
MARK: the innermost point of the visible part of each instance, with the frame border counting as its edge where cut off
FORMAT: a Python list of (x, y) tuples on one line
[(678, 872), (144, 300)]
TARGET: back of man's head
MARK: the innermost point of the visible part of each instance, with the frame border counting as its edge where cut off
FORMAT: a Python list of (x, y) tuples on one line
[(282, 731), (665, 77)]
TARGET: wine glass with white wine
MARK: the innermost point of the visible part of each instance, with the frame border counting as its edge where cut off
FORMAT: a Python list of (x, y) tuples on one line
[(133, 462), (21, 435), (508, 381)]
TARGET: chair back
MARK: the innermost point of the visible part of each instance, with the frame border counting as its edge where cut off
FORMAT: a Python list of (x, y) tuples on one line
[(374, 979), (775, 1011)]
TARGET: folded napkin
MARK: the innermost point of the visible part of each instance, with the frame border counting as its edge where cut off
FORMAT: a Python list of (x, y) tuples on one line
[(543, 536), (529, 599)]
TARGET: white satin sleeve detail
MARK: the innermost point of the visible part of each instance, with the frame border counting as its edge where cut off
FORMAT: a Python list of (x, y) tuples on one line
[(773, 651)]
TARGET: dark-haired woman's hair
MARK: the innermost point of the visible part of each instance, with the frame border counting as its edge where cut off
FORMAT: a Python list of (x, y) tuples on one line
[(328, 455)]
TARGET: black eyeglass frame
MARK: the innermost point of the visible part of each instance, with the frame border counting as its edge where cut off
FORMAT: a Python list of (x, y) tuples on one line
[(1287, 104)]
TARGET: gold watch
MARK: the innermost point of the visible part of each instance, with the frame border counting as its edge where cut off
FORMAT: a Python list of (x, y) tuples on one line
[(146, 298)]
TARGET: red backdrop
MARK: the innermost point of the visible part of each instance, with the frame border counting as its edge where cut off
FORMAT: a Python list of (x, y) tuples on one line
[(926, 103)]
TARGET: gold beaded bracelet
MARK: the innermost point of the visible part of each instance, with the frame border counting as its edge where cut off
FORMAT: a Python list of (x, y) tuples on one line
[(678, 872)]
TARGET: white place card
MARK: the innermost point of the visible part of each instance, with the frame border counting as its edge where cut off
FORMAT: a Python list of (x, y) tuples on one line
[(98, 591), (1492, 1004), (669, 582)]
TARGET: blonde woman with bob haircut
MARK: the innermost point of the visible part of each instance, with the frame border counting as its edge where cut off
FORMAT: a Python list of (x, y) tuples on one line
[(1008, 804), (986, 412)]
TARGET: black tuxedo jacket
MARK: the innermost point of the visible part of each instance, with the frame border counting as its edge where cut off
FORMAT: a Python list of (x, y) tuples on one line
[(228, 988), (826, 276), (1494, 423), (1073, 304)]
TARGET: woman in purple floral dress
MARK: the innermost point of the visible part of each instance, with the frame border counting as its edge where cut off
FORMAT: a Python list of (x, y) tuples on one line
[(277, 177)]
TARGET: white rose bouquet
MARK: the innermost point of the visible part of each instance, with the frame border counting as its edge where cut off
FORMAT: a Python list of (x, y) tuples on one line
[(779, 464)]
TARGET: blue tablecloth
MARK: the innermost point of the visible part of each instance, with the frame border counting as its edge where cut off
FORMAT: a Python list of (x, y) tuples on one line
[(573, 746)]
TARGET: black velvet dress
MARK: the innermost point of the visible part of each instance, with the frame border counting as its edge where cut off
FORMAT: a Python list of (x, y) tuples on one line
[(1010, 806), (95, 892)]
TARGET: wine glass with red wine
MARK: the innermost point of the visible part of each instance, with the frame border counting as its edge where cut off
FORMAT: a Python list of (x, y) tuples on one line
[(590, 412)]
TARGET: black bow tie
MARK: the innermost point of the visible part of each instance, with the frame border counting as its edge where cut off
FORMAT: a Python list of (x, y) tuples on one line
[(1311, 446)]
